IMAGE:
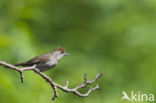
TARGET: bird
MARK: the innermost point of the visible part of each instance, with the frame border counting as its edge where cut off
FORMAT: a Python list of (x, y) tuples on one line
[(46, 61)]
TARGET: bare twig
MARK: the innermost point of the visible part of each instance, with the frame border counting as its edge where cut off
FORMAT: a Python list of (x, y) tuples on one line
[(55, 85)]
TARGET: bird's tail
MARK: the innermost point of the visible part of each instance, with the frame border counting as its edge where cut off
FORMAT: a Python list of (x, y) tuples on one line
[(20, 64)]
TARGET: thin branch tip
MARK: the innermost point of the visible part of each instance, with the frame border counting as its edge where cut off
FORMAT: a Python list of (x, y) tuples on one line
[(66, 85)]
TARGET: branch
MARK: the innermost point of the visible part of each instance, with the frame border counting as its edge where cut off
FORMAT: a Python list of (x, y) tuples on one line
[(55, 85), (10, 66)]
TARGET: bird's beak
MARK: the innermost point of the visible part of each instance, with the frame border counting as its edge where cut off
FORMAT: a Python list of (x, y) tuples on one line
[(66, 54)]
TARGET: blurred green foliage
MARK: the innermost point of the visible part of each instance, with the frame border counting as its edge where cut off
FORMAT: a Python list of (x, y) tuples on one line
[(114, 36)]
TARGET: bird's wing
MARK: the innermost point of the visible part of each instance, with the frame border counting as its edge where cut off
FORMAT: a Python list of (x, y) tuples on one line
[(37, 59)]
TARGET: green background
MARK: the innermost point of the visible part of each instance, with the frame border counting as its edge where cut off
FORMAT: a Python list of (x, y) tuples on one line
[(117, 37)]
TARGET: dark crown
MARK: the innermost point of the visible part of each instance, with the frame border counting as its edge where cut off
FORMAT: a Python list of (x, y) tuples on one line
[(59, 49)]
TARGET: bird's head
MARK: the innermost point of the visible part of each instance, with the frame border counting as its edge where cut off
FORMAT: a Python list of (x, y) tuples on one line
[(59, 53)]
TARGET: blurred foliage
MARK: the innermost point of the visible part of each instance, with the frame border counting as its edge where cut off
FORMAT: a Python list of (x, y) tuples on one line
[(114, 36)]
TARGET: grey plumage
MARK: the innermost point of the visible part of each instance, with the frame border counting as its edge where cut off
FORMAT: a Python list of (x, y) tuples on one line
[(45, 61), (36, 60)]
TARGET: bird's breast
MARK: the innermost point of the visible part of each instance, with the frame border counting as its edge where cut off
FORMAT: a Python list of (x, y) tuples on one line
[(52, 61), (48, 65)]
